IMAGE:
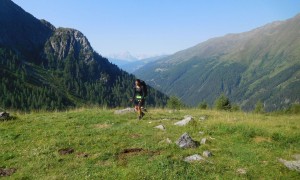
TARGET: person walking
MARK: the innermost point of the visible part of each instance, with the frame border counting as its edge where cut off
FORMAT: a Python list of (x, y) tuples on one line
[(138, 97)]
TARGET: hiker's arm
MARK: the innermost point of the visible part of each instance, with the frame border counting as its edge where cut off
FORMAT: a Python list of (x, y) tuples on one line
[(143, 92), (133, 97)]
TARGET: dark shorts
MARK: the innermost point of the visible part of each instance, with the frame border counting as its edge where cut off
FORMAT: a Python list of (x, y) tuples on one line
[(139, 103)]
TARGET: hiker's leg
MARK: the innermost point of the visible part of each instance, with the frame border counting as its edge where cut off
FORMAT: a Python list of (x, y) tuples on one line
[(136, 104), (139, 109), (142, 103), (141, 114)]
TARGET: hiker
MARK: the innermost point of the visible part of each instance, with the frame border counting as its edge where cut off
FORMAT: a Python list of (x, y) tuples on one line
[(139, 97)]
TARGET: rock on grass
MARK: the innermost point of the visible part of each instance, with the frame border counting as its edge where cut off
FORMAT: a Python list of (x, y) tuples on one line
[(125, 111), (292, 165), (185, 141), (207, 154), (161, 127), (193, 158), (185, 121)]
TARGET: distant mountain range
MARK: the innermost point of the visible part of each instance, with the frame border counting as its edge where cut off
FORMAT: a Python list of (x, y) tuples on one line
[(44, 67), (132, 65), (120, 59), (127, 56), (259, 65)]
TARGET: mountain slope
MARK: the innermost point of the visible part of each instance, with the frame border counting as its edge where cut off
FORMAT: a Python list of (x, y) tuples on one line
[(42, 67), (262, 64), (20, 30)]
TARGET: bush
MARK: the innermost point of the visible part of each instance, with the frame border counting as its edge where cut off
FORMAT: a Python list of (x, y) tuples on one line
[(174, 103), (222, 103), (203, 105)]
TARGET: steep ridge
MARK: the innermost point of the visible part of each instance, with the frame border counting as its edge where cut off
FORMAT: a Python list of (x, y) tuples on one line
[(262, 64), (43, 67), (20, 30)]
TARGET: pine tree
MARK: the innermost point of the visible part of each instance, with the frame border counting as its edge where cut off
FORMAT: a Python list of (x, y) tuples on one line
[(223, 103)]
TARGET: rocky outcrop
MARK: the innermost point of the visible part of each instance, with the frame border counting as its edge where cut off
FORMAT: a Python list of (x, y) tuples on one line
[(67, 42)]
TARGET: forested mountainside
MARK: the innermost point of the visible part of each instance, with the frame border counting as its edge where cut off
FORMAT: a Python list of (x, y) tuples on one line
[(259, 65), (43, 67)]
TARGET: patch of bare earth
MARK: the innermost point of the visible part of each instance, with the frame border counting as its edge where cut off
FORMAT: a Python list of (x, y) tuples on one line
[(82, 154), (66, 151), (127, 153), (134, 136), (7, 171), (259, 139), (102, 126), (104, 163)]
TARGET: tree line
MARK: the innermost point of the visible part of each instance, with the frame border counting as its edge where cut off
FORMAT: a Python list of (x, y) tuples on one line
[(55, 85), (224, 104)]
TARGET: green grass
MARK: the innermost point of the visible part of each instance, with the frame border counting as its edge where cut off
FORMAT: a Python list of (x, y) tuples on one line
[(254, 142)]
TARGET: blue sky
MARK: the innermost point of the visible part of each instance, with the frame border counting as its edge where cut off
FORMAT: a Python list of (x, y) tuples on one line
[(158, 26)]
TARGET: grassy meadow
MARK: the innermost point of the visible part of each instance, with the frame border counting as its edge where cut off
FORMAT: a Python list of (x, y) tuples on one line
[(109, 146)]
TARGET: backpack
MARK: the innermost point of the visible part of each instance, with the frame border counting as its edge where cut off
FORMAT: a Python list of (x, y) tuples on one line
[(145, 88)]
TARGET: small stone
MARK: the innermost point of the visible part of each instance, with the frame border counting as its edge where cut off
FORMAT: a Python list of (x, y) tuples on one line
[(185, 121), (207, 154), (241, 171), (292, 165), (162, 127), (4, 115), (195, 157), (125, 111), (185, 141), (202, 118), (203, 141), (201, 132)]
